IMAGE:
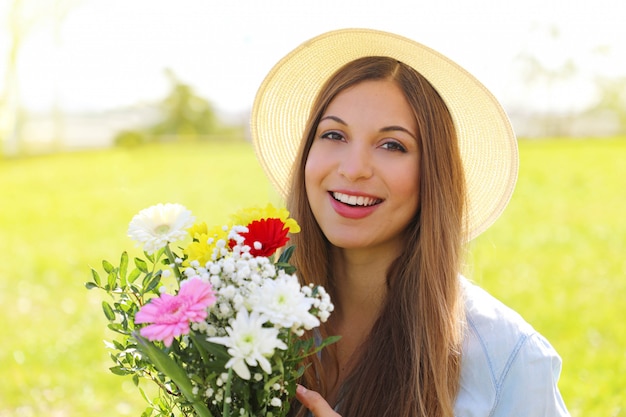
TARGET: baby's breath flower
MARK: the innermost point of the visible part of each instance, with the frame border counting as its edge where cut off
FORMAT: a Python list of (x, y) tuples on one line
[(224, 309), (215, 280), (238, 301), (210, 330), (228, 292), (219, 396), (323, 315)]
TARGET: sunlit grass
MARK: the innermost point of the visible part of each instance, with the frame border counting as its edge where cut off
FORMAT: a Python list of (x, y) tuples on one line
[(556, 256), (59, 215)]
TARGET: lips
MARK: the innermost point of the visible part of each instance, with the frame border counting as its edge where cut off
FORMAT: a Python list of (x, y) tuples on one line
[(353, 206)]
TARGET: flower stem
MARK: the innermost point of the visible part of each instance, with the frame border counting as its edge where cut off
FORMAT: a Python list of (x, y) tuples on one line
[(173, 263), (227, 400)]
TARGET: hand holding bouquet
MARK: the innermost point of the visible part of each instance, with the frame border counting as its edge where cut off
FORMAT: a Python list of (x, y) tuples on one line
[(219, 328)]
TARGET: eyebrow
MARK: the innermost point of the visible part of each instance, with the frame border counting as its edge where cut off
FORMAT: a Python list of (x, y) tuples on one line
[(384, 129)]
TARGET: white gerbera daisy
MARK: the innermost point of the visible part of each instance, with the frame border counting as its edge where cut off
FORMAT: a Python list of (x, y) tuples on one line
[(156, 226), (249, 343)]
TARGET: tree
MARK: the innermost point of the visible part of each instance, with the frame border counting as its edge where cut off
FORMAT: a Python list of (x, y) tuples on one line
[(186, 114), (21, 18), (612, 100), (538, 75)]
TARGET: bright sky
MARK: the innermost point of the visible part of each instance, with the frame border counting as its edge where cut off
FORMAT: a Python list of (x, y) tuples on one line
[(113, 53)]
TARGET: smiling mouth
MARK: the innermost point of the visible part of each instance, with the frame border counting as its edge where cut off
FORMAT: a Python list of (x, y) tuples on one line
[(356, 201)]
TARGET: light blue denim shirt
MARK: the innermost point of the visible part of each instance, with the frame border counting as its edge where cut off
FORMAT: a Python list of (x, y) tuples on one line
[(508, 369)]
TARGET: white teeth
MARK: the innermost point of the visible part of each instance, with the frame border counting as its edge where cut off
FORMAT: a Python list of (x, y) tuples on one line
[(354, 200)]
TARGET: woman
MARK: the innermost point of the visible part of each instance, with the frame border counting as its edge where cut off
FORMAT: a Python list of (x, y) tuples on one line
[(400, 158)]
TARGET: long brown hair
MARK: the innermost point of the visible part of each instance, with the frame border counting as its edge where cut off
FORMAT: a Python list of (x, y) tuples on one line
[(410, 366)]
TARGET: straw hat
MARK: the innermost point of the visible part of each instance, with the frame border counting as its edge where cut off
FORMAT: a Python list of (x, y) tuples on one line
[(487, 143)]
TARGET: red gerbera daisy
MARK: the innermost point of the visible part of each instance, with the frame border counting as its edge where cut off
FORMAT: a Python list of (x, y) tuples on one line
[(265, 236)]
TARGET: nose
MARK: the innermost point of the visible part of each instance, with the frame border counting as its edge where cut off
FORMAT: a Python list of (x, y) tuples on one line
[(356, 162)]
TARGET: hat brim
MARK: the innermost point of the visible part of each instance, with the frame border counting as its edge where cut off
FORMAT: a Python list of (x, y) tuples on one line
[(487, 143)]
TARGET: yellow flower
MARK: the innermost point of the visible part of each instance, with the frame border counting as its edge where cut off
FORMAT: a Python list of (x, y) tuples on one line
[(197, 230), (200, 249), (246, 216)]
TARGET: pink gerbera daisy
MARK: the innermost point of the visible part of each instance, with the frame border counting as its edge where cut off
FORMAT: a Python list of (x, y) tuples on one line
[(169, 315)]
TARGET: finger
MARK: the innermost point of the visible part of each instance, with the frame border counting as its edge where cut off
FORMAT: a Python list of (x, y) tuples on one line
[(314, 402)]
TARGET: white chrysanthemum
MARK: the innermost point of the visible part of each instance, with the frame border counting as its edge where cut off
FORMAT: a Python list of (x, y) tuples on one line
[(249, 343), (156, 226), (283, 303)]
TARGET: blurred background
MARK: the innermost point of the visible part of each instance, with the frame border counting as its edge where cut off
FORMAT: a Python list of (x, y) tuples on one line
[(108, 106), (75, 73)]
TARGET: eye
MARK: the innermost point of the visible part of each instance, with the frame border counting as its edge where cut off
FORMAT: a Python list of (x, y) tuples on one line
[(393, 146), (332, 135)]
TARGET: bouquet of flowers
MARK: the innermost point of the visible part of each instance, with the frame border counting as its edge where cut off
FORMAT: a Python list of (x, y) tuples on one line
[(219, 326)]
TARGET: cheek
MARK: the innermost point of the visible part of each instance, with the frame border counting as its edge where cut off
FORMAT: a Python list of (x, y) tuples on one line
[(409, 186), (313, 169), (311, 178)]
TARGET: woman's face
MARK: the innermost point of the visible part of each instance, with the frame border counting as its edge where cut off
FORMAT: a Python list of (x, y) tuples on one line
[(362, 172)]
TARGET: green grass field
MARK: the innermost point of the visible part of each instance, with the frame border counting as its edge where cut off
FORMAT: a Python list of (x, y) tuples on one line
[(557, 256)]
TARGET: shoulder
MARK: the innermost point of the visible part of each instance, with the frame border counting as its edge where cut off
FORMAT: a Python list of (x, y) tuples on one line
[(508, 368), (495, 327)]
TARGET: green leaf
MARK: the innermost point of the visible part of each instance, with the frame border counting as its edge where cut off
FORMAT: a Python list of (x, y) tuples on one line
[(328, 341), (141, 265), (118, 345), (149, 257), (118, 370), (283, 260), (108, 311), (118, 328), (146, 280), (91, 285), (134, 275), (198, 345), (123, 269), (219, 352), (108, 267), (288, 268), (286, 255), (111, 280), (169, 367), (154, 282), (95, 276)]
